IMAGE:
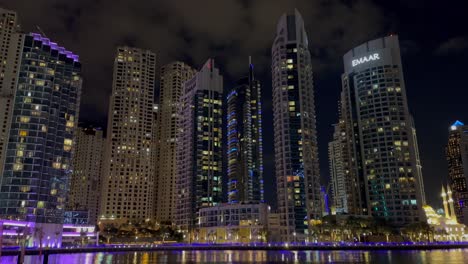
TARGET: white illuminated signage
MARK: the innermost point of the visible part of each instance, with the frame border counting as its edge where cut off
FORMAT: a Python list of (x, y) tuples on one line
[(365, 59)]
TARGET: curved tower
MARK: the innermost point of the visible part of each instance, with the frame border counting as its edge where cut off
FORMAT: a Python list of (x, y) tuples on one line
[(384, 139), (296, 158)]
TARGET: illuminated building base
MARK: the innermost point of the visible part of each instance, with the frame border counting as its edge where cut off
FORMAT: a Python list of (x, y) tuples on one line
[(43, 235)]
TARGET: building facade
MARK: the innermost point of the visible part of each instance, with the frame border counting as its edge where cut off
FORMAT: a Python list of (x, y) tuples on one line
[(199, 150), (233, 223), (381, 134), (86, 181), (244, 141), (41, 138), (457, 159), (173, 77), (338, 172), (10, 55), (128, 169), (295, 135)]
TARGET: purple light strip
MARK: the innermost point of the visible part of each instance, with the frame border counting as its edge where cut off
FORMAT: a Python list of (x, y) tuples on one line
[(17, 223), (56, 47), (77, 234)]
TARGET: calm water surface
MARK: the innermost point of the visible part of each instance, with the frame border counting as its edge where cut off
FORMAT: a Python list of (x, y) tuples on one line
[(232, 256)]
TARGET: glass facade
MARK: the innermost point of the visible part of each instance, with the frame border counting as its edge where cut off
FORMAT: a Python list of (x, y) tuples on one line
[(295, 136), (244, 141), (199, 149), (375, 110), (457, 159), (41, 138)]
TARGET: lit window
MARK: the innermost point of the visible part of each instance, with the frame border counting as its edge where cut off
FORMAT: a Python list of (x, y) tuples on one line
[(23, 133), (24, 119), (17, 166)]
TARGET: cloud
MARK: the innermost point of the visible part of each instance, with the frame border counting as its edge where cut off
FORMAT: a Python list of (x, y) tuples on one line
[(229, 30), (453, 46)]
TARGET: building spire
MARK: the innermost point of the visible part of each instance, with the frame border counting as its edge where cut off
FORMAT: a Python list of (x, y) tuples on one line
[(444, 199), (450, 201)]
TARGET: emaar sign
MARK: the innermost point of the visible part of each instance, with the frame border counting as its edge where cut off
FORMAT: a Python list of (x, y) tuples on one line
[(365, 59)]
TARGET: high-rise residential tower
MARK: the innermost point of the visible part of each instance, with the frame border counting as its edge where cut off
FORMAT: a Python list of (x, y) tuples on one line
[(38, 159), (381, 134), (10, 55), (296, 157), (199, 145), (457, 158), (128, 178), (244, 141), (173, 77), (339, 187), (85, 183)]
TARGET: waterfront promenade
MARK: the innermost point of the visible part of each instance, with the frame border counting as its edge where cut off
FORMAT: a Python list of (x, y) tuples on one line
[(257, 246)]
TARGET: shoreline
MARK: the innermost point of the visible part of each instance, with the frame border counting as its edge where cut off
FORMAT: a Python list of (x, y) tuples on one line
[(323, 247)]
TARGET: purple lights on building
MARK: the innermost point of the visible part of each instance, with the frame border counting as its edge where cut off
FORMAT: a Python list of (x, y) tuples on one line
[(55, 46)]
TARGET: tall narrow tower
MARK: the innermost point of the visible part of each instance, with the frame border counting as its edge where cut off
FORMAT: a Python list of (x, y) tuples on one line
[(10, 56), (128, 179), (173, 77), (244, 137), (199, 149), (296, 157), (86, 180)]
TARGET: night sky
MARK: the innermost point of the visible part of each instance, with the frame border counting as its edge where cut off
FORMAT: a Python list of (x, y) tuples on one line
[(433, 38)]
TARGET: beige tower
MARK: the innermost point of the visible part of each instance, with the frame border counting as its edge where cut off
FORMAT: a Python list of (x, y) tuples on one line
[(128, 178), (85, 181), (444, 200), (10, 54), (173, 77)]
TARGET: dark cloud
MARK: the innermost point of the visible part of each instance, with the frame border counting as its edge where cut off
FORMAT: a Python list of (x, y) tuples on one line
[(453, 46), (229, 30)]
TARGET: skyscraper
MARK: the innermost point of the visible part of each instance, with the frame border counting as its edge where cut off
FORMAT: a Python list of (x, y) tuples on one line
[(199, 150), (41, 136), (128, 179), (380, 132), (338, 173), (86, 181), (457, 158), (244, 141), (173, 77), (10, 55), (296, 157)]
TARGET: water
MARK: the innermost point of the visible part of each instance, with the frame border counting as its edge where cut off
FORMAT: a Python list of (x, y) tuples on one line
[(257, 256)]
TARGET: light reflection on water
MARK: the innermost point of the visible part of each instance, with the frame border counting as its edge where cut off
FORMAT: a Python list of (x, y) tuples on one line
[(256, 256)]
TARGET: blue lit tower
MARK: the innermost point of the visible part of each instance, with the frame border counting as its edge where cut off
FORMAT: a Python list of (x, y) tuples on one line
[(381, 133), (457, 159), (41, 137), (244, 135), (296, 157)]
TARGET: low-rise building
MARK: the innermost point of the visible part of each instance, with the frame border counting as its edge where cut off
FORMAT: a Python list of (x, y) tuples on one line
[(233, 223)]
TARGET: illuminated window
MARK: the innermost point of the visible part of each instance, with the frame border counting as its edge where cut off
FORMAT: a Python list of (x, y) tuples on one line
[(40, 82), (19, 153), (70, 123), (25, 119), (23, 133), (17, 166), (40, 204)]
